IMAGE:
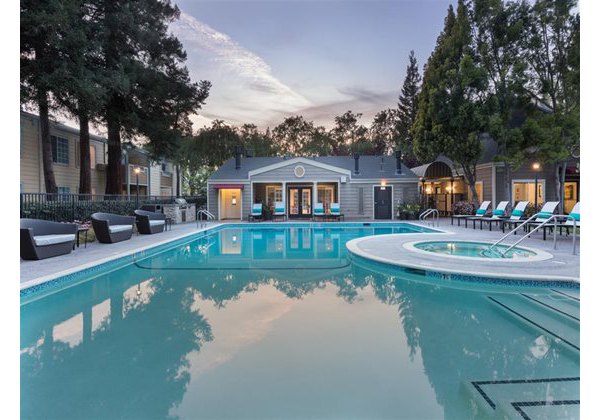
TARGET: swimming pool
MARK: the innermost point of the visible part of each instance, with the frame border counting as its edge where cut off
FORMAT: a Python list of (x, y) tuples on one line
[(263, 321)]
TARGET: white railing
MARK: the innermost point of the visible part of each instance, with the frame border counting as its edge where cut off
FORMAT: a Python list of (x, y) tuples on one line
[(555, 218), (434, 213), (208, 214)]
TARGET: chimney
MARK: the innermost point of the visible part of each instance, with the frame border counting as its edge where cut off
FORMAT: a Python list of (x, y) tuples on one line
[(238, 157), (398, 162), (356, 158)]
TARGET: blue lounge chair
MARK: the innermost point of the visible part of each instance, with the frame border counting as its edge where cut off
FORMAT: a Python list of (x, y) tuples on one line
[(481, 212), (256, 213), (279, 210), (499, 214), (318, 212), (334, 211)]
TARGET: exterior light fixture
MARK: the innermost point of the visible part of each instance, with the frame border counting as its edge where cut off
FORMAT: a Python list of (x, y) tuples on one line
[(233, 200), (382, 184), (536, 166), (137, 170)]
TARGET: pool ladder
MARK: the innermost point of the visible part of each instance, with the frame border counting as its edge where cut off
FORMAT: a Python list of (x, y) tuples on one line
[(554, 218), (434, 213), (209, 216)]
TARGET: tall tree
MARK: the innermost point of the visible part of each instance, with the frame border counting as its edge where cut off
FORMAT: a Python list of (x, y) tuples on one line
[(383, 132), (149, 91), (43, 24), (449, 119), (292, 136), (498, 27), (552, 52), (407, 110), (253, 139), (348, 135)]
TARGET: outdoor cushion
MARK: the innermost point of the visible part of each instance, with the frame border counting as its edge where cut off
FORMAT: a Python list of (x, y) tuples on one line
[(119, 228), (335, 208), (498, 212), (43, 240), (156, 222), (480, 212), (544, 215), (517, 213), (576, 216), (318, 210), (279, 208)]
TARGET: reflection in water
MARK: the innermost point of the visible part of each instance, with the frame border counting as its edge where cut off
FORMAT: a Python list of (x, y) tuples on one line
[(356, 341)]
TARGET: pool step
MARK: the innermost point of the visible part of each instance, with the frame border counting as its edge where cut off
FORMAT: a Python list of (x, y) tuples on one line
[(563, 329), (524, 398), (557, 303), (572, 294)]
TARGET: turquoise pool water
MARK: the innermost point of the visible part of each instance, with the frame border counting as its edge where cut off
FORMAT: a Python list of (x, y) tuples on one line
[(255, 322), (474, 249)]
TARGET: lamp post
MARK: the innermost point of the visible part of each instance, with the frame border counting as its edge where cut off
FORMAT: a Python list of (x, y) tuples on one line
[(137, 171), (536, 168)]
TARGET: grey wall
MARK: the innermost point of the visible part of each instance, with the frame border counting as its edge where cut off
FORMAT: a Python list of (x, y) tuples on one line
[(286, 173), (525, 172)]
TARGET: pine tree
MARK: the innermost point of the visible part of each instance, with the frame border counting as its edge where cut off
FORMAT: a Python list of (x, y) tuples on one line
[(449, 119), (499, 26), (407, 110)]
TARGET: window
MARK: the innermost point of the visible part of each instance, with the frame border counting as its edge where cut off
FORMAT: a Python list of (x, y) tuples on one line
[(274, 194), (325, 195), (60, 150), (64, 190), (92, 156), (524, 190)]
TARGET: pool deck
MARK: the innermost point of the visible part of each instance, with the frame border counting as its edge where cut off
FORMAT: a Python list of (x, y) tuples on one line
[(385, 248), (390, 249)]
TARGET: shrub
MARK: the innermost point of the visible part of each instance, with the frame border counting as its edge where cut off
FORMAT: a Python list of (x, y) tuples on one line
[(408, 211), (463, 207)]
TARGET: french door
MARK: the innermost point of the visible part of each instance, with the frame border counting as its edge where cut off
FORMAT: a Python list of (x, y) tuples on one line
[(299, 202)]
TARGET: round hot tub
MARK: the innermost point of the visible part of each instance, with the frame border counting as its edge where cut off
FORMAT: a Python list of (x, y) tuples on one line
[(478, 250)]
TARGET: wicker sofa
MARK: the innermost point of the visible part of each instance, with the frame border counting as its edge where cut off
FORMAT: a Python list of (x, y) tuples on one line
[(149, 222), (44, 239), (110, 228)]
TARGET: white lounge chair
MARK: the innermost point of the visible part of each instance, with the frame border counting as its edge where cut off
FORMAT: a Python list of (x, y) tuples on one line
[(279, 210), (256, 213), (318, 211), (567, 222), (334, 211), (516, 215), (481, 212), (547, 211), (499, 214)]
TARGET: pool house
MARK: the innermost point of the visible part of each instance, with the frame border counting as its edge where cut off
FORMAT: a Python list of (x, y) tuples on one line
[(366, 187)]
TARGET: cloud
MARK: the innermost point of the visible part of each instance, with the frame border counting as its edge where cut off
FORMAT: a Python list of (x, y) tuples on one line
[(244, 87)]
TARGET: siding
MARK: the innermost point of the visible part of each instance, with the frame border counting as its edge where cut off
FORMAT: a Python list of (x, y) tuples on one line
[(485, 175), (30, 165), (286, 173)]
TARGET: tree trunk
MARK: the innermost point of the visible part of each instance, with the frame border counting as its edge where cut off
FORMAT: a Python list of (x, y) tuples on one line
[(47, 163), (557, 179), (178, 180), (507, 183), (471, 181), (563, 175), (85, 172), (114, 183)]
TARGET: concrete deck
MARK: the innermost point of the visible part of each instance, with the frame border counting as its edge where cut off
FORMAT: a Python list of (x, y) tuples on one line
[(390, 249), (35, 272), (385, 248)]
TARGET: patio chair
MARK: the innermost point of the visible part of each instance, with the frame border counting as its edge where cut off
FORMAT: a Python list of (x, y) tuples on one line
[(499, 214), (149, 222), (44, 239), (110, 228), (334, 212), (318, 212), (516, 215), (256, 213), (481, 212), (548, 209), (567, 223), (279, 210)]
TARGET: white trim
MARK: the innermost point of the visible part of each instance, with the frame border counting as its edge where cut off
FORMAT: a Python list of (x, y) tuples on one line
[(391, 201), (297, 161)]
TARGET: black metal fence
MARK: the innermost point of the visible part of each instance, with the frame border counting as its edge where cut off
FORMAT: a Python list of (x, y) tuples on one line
[(72, 207)]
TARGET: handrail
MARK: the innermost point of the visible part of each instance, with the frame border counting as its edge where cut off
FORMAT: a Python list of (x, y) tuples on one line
[(554, 218), (431, 211), (208, 214), (512, 231)]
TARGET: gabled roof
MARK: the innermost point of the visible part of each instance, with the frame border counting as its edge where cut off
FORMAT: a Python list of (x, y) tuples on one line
[(371, 167)]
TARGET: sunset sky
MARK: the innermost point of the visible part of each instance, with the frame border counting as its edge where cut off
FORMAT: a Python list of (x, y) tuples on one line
[(316, 58)]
